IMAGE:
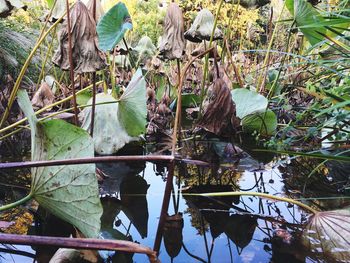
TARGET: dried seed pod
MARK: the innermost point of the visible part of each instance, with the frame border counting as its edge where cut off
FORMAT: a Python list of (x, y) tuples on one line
[(202, 28), (86, 55), (172, 44)]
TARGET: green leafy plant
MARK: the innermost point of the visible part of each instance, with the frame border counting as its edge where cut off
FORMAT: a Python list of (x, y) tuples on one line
[(112, 26), (69, 192)]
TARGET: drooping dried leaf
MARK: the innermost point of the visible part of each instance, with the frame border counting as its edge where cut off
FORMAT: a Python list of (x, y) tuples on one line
[(172, 44), (329, 233), (202, 28), (220, 115), (99, 10), (86, 55), (43, 96)]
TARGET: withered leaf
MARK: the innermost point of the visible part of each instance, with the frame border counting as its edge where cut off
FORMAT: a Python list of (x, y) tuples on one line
[(220, 115), (172, 44), (86, 55), (99, 10), (202, 28), (43, 96)]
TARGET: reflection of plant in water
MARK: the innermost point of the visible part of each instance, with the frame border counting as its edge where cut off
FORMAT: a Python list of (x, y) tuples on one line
[(314, 178)]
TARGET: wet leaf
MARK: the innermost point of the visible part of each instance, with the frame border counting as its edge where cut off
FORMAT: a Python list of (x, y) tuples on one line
[(112, 26), (202, 28), (248, 102), (132, 106), (264, 123), (68, 191), (172, 44), (329, 233), (86, 55)]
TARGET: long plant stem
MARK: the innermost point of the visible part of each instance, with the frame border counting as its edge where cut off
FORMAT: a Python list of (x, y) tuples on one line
[(178, 109), (206, 62), (79, 243), (71, 65), (268, 196), (17, 203), (93, 85)]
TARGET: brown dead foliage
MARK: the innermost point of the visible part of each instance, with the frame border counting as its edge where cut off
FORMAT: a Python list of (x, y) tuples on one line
[(220, 115), (172, 45), (86, 55), (99, 9), (43, 96)]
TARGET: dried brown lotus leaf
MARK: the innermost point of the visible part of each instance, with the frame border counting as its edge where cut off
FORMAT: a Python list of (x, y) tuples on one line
[(172, 44), (202, 28), (99, 10), (86, 55), (329, 233), (220, 114), (43, 97)]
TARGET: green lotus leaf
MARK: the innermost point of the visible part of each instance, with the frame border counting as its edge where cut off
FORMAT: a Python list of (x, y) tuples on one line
[(112, 26), (263, 122), (248, 102), (70, 192), (132, 105)]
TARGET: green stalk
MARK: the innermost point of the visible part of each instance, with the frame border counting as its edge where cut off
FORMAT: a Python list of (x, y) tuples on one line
[(268, 196), (23, 70), (17, 203), (48, 53)]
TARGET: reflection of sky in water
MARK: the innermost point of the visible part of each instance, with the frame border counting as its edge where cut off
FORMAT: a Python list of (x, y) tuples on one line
[(224, 249), (194, 242)]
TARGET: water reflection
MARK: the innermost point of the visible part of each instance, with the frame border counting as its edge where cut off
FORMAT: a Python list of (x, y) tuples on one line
[(208, 229)]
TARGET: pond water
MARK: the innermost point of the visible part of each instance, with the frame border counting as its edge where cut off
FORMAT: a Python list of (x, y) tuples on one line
[(203, 228)]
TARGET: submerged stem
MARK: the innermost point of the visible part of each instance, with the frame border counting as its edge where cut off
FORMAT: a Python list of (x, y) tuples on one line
[(17, 203)]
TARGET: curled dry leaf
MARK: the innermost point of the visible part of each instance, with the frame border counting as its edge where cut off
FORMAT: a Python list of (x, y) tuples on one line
[(43, 97), (99, 10), (202, 28), (220, 115), (172, 44), (86, 55), (329, 233)]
